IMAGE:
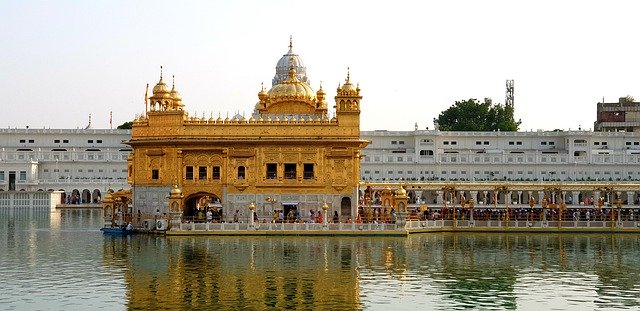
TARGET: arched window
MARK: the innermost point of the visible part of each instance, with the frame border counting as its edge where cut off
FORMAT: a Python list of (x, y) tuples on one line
[(241, 172)]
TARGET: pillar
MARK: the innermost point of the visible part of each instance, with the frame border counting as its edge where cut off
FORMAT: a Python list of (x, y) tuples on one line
[(474, 197), (630, 198), (541, 196), (575, 197), (439, 197)]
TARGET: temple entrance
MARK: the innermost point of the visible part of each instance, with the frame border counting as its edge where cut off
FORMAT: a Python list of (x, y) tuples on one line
[(345, 207), (290, 211), (197, 206)]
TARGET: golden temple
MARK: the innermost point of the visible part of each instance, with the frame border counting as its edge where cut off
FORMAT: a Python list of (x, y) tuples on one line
[(290, 151)]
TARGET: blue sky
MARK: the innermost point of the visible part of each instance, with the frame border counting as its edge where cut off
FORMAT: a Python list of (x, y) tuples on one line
[(63, 60)]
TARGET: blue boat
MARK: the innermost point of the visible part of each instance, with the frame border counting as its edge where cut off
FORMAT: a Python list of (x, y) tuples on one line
[(116, 231)]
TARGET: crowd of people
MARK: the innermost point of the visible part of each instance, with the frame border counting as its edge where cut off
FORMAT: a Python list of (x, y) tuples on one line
[(532, 214)]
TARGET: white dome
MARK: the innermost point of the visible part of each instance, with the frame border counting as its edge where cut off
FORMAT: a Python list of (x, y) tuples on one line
[(284, 64)]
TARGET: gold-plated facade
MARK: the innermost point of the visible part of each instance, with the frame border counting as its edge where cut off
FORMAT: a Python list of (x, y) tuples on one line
[(289, 151)]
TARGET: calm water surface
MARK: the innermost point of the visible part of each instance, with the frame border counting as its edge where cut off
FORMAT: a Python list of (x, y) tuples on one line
[(60, 261)]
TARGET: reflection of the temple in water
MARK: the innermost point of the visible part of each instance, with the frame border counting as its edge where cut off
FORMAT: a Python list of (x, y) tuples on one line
[(293, 272)]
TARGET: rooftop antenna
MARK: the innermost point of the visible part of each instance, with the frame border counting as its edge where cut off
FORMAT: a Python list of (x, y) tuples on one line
[(509, 97)]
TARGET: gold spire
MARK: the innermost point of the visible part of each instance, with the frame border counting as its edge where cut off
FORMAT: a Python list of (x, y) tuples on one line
[(292, 69), (173, 86), (160, 73), (348, 74)]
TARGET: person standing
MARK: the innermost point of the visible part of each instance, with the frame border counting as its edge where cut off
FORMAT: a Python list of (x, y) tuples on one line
[(336, 218)]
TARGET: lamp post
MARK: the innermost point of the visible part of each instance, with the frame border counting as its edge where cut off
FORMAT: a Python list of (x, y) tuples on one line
[(252, 207), (325, 208), (619, 206), (544, 204), (471, 205)]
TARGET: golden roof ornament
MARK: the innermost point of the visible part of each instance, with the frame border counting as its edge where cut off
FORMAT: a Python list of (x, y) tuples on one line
[(161, 89)]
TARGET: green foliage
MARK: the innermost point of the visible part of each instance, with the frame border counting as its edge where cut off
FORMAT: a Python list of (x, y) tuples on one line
[(125, 126), (472, 115)]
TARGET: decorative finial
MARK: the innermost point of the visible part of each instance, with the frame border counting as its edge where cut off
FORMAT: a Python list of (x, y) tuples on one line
[(290, 43), (262, 86), (348, 74), (321, 85), (161, 73), (174, 82), (292, 69)]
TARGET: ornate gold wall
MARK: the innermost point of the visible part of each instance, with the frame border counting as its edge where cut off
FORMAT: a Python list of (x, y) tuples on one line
[(288, 150)]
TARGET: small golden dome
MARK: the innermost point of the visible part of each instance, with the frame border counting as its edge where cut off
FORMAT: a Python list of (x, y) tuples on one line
[(321, 91), (401, 192), (161, 89), (174, 93), (176, 190), (262, 95), (347, 88)]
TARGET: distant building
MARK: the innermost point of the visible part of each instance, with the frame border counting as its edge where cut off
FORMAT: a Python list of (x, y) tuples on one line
[(496, 156), (83, 163), (623, 116)]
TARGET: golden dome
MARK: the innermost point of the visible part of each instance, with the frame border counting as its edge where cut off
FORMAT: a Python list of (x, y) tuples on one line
[(174, 93), (291, 88), (321, 91), (262, 95), (161, 89), (401, 192), (176, 191), (347, 88)]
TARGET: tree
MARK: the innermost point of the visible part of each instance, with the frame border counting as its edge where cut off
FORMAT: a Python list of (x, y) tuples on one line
[(125, 126), (472, 115)]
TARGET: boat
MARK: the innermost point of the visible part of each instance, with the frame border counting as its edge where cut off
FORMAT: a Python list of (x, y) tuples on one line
[(116, 231)]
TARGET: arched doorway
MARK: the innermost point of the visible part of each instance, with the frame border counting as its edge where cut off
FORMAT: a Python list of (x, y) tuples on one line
[(198, 204), (75, 197), (86, 196), (345, 207), (97, 197)]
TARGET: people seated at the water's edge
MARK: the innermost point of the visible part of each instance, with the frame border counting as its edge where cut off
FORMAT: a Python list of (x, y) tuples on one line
[(209, 216), (129, 227)]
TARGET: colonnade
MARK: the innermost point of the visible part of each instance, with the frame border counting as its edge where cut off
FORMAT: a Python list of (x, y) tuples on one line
[(496, 194)]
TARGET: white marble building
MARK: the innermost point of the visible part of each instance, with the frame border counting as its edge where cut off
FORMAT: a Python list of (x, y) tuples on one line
[(497, 156), (83, 163)]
